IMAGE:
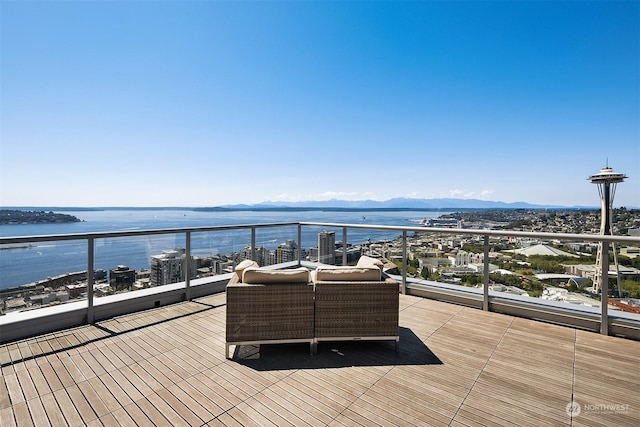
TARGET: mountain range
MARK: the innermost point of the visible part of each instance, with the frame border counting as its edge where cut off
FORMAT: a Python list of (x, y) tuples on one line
[(401, 203)]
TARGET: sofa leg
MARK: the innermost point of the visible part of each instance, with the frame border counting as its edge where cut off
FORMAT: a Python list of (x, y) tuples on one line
[(226, 351), (397, 344)]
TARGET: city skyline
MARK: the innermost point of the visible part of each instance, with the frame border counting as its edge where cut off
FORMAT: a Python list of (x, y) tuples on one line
[(217, 103)]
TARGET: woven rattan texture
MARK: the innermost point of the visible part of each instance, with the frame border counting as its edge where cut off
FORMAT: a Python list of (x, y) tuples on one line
[(269, 312), (356, 309)]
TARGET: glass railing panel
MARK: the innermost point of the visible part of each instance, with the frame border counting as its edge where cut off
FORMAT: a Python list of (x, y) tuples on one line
[(277, 245), (44, 273), (217, 252), (318, 241), (359, 241), (565, 273), (137, 262), (450, 259), (563, 280)]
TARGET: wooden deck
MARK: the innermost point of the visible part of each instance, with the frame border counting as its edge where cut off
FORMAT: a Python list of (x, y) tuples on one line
[(456, 366)]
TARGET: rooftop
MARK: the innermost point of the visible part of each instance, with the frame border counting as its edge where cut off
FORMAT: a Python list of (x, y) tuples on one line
[(456, 366)]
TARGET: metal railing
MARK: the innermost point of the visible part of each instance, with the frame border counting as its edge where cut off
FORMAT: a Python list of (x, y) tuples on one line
[(90, 239)]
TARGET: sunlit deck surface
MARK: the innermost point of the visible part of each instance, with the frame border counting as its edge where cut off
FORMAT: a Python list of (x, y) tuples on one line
[(456, 366)]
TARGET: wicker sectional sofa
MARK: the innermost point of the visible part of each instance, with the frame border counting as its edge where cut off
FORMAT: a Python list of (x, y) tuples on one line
[(331, 303), (355, 303), (270, 306)]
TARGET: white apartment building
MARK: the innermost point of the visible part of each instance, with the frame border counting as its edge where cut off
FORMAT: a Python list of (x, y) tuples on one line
[(169, 267), (327, 247)]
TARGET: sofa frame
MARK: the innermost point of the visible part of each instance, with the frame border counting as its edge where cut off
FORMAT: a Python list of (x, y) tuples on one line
[(333, 303)]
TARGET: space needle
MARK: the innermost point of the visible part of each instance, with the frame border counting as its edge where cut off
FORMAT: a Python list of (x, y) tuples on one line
[(606, 180)]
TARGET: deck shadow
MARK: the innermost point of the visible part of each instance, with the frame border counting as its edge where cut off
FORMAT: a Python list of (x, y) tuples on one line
[(66, 339), (338, 354)]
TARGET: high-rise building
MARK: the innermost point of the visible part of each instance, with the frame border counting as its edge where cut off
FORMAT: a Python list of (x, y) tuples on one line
[(169, 267), (287, 251), (261, 255), (122, 277), (327, 247)]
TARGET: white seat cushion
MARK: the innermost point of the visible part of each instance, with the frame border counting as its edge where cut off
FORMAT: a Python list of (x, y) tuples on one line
[(257, 276), (347, 274), (244, 265)]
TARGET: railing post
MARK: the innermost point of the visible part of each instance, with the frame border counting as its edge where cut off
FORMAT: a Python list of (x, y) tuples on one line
[(90, 274), (344, 245), (253, 243), (404, 262), (299, 245), (485, 273), (187, 267), (604, 290)]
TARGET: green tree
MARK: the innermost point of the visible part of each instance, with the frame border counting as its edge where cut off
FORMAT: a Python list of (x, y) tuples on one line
[(632, 287), (472, 279), (507, 279), (472, 249)]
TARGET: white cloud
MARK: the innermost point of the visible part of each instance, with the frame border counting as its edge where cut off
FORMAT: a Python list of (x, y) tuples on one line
[(413, 195), (486, 193), (468, 194), (461, 194), (327, 195)]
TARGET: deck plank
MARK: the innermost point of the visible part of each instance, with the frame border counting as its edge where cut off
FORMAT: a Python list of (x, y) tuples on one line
[(320, 410), (38, 413), (69, 410), (294, 413), (274, 414), (170, 401), (13, 388), (5, 355), (87, 365), (225, 420), (210, 403), (5, 399), (60, 370), (457, 366), (140, 383), (51, 377), (181, 393), (22, 415), (6, 417), (104, 394), (53, 410), (306, 383), (81, 404), (93, 398), (156, 377), (150, 410), (135, 415), (131, 392), (222, 393), (39, 380)]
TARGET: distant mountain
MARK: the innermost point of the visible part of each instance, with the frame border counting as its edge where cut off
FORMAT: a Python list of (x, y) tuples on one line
[(400, 203), (396, 203)]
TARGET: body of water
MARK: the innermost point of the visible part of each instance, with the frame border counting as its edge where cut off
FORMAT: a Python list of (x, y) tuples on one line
[(21, 265)]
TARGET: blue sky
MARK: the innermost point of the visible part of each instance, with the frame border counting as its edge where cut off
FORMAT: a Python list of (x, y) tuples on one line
[(207, 103)]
